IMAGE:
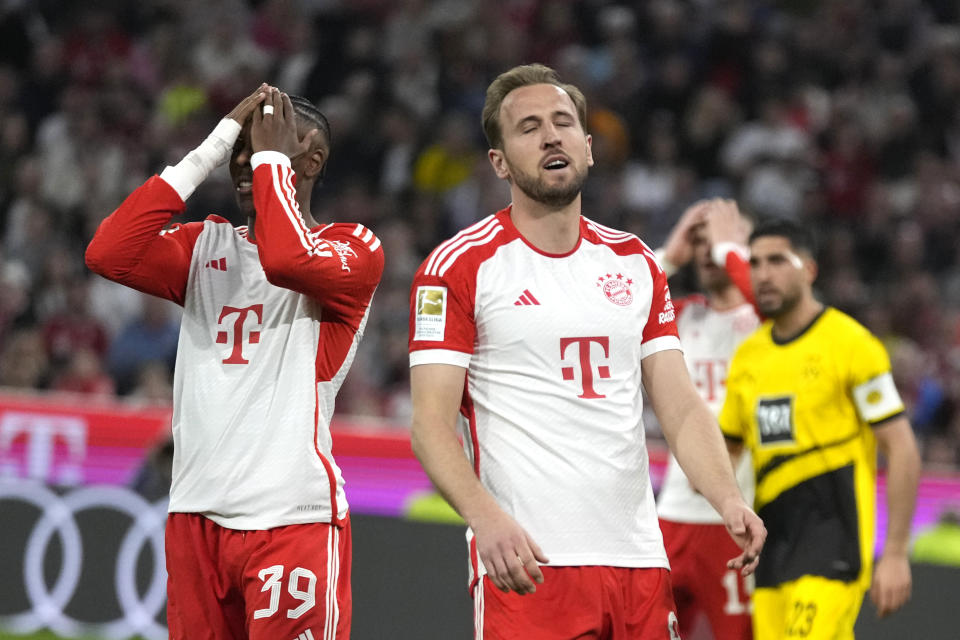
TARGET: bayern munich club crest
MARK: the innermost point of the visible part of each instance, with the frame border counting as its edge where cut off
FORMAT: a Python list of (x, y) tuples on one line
[(617, 287)]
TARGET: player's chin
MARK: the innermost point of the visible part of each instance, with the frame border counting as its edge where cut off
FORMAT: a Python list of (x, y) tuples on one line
[(245, 203), (768, 303)]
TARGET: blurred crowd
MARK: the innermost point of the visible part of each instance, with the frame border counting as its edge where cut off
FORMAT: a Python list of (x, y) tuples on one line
[(844, 114)]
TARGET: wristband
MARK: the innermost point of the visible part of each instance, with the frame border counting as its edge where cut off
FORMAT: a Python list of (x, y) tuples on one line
[(187, 175), (269, 157), (668, 267), (719, 251)]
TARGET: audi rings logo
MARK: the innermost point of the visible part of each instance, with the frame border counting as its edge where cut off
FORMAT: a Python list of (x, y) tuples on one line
[(54, 574)]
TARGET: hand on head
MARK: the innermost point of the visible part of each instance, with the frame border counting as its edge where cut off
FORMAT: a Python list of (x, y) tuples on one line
[(275, 126), (242, 111), (725, 222), (678, 249)]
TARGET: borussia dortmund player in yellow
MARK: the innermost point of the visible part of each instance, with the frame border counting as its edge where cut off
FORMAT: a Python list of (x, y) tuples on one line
[(810, 394)]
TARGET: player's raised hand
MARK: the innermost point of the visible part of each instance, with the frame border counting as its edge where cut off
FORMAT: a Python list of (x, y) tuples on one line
[(724, 222), (678, 249), (242, 111), (891, 583), (275, 127), (508, 552), (747, 530)]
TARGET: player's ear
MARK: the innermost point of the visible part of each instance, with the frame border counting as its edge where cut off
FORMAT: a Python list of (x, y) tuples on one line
[(499, 163), (811, 268), (589, 150), (315, 162)]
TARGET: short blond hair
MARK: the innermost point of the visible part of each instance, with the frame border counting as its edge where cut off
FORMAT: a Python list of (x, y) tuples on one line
[(523, 76)]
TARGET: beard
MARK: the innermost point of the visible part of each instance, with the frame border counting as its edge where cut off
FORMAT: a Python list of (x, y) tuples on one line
[(555, 197), (713, 280), (773, 309)]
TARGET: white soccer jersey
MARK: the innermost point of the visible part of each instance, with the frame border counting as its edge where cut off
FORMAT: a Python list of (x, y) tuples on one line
[(709, 338), (269, 331), (552, 346)]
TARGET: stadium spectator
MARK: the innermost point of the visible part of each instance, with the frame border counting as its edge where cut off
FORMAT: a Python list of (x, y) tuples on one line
[(15, 309), (889, 67), (23, 361), (152, 480), (83, 372), (150, 337), (154, 384), (73, 327), (711, 236)]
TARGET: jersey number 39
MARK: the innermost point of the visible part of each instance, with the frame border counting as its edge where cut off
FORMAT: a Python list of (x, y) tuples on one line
[(272, 578)]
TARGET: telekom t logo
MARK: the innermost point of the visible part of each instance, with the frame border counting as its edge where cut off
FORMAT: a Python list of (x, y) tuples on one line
[(586, 367), (710, 378), (253, 337), (43, 432)]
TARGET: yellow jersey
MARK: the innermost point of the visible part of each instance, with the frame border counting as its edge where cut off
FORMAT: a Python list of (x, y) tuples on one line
[(804, 409)]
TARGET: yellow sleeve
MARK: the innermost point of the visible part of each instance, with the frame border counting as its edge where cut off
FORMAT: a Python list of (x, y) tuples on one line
[(874, 393)]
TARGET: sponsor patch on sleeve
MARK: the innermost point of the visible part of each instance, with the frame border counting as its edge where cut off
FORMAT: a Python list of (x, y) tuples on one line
[(877, 398), (668, 314), (431, 315)]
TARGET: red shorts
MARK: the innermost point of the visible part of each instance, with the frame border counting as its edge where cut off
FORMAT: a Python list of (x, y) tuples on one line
[(287, 583), (702, 584), (608, 603)]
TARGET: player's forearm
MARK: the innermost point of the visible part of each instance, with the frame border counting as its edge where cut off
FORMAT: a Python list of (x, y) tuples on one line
[(341, 271), (124, 239), (196, 166), (690, 428), (442, 458), (703, 455), (903, 477), (287, 249)]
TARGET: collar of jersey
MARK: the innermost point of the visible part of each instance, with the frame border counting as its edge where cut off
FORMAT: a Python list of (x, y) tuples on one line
[(507, 223), (781, 342)]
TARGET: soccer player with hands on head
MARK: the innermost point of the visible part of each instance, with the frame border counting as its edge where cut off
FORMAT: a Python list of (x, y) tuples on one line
[(258, 535), (711, 236), (532, 332)]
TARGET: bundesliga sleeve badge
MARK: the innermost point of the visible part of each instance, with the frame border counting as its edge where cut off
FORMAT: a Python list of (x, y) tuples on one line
[(431, 318)]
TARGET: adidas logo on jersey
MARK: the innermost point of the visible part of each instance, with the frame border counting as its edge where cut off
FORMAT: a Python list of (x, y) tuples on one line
[(218, 264), (306, 635), (526, 299)]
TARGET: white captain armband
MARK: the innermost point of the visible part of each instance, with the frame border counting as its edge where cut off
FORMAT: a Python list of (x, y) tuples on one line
[(187, 175), (877, 399)]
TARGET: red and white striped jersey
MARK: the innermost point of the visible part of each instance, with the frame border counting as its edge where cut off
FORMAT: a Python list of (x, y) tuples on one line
[(709, 338), (269, 331), (552, 347)]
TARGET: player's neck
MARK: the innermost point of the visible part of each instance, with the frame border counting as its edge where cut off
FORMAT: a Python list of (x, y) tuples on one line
[(549, 229), (793, 322), (725, 298)]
